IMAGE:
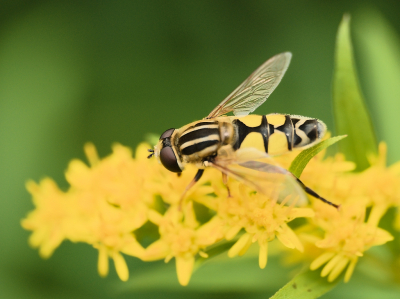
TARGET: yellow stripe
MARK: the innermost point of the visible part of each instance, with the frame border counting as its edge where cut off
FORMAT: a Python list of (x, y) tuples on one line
[(277, 143), (254, 140), (199, 140), (276, 119), (251, 120), (210, 126), (304, 138)]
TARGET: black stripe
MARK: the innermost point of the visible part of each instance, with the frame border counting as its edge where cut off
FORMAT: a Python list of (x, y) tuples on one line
[(287, 128), (264, 129), (295, 121), (197, 147), (310, 128), (242, 131), (205, 123), (296, 139), (313, 135), (200, 133), (271, 129)]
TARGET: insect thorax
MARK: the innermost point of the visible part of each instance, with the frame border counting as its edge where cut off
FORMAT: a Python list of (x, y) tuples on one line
[(202, 139)]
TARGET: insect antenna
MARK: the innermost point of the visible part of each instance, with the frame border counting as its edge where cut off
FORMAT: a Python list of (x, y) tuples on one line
[(152, 153), (314, 194)]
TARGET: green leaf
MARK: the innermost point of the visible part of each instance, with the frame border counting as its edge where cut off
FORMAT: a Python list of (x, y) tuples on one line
[(300, 162), (306, 285), (379, 45), (351, 114), (221, 274)]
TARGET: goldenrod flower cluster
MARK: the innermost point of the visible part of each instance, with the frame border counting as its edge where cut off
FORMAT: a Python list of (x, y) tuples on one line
[(112, 200)]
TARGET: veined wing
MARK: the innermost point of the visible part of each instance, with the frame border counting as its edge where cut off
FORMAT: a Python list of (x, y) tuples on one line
[(254, 91), (259, 171)]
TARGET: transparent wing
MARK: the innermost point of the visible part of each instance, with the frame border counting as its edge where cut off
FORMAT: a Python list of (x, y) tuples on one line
[(256, 88), (259, 171)]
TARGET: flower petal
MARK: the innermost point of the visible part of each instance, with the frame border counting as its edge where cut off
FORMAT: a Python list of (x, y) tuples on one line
[(350, 269), (91, 153), (239, 245), (338, 269), (102, 264), (232, 232), (263, 255), (120, 266), (330, 265), (322, 259), (184, 269), (156, 251)]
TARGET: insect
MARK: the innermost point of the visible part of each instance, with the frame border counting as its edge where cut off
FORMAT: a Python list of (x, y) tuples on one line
[(242, 146)]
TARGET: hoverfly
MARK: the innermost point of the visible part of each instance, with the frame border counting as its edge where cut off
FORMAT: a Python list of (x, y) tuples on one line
[(241, 146)]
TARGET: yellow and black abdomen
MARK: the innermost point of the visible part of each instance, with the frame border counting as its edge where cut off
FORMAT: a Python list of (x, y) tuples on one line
[(277, 133)]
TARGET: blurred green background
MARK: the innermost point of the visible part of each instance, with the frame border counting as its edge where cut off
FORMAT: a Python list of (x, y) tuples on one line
[(112, 71)]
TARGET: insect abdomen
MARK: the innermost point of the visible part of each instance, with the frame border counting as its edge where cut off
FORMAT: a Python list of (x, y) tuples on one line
[(277, 133)]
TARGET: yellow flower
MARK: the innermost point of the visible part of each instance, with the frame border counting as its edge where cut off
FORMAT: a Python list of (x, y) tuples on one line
[(347, 234), (109, 201), (182, 237), (103, 206), (262, 218), (380, 183), (48, 220), (346, 238)]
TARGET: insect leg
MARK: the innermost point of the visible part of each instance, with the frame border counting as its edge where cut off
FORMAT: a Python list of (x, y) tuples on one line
[(195, 179), (314, 194), (225, 181)]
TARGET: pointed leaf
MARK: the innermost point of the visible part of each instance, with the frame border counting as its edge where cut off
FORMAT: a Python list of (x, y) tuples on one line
[(380, 61), (306, 285), (300, 162), (351, 114)]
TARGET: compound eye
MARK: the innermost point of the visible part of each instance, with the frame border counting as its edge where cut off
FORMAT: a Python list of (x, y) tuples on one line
[(167, 133), (168, 159)]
